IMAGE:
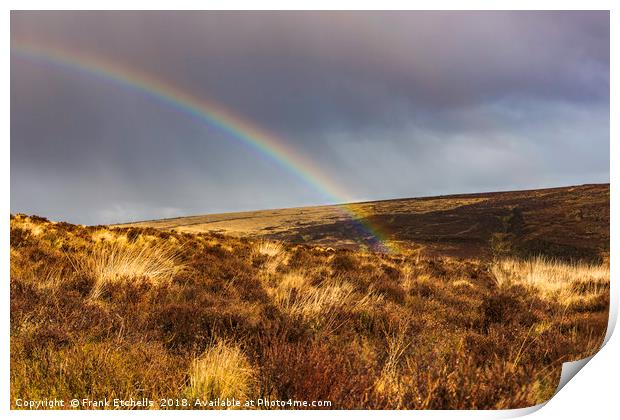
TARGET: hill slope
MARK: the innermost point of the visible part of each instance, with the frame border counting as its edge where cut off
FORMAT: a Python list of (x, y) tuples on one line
[(567, 222), (140, 314)]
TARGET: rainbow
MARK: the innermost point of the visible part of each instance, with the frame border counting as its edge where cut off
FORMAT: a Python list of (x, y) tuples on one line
[(267, 144)]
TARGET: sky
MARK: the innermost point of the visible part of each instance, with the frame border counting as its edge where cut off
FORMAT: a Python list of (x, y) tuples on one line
[(383, 104)]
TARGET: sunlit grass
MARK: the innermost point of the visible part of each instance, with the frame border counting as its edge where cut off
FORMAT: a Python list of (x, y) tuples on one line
[(116, 262), (221, 372), (566, 283), (144, 313)]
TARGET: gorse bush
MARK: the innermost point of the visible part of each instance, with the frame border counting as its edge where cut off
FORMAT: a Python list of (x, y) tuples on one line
[(101, 312)]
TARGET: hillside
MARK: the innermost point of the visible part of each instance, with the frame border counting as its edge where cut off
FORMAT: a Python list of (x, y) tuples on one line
[(566, 223), (180, 320)]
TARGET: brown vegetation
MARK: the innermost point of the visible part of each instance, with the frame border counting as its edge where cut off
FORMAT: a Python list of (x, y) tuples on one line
[(103, 312), (561, 223)]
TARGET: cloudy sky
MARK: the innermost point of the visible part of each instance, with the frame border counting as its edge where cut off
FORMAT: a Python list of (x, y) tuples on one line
[(386, 105)]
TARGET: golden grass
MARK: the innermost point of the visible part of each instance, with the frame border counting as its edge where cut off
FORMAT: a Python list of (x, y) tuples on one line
[(462, 283), (105, 235), (222, 372), (115, 262), (389, 382), (565, 283), (361, 329), (49, 279), (274, 253), (321, 307), (269, 248), (293, 280)]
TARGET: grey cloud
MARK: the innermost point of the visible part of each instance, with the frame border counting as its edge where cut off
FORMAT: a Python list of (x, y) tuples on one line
[(387, 103), (296, 70)]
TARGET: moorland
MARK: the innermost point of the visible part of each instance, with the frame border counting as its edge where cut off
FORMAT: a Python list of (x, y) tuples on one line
[(484, 299)]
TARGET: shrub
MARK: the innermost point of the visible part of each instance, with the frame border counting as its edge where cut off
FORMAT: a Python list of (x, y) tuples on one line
[(315, 370), (343, 263), (390, 289), (20, 237), (507, 306)]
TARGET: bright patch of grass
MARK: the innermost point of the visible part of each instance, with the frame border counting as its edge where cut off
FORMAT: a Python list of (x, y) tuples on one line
[(221, 372)]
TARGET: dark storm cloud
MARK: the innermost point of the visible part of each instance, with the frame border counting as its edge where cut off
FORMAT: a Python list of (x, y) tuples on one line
[(387, 104)]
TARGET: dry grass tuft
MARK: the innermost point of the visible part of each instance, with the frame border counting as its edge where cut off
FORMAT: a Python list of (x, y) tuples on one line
[(462, 283), (390, 382), (105, 235), (293, 280), (273, 254), (269, 248), (325, 307), (222, 372), (116, 262), (557, 281)]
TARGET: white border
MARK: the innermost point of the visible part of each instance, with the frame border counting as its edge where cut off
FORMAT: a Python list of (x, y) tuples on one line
[(593, 394)]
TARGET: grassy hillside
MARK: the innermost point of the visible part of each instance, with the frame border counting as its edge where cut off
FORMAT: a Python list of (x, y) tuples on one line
[(135, 313), (566, 223)]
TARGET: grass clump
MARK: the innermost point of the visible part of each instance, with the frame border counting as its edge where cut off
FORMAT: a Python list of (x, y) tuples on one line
[(109, 263), (221, 372), (565, 283)]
